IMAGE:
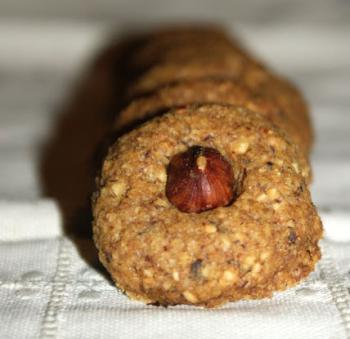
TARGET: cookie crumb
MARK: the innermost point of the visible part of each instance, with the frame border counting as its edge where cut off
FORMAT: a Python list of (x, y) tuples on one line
[(229, 276), (190, 297), (241, 147), (176, 276), (210, 229), (118, 189), (262, 197), (273, 193)]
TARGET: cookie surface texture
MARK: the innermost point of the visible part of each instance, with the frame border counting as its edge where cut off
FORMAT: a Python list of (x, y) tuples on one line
[(264, 241), (279, 102)]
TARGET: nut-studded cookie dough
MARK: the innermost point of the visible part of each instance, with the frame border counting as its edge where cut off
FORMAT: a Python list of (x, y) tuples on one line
[(207, 202), (228, 65), (198, 53), (183, 47), (186, 53), (257, 237), (277, 101)]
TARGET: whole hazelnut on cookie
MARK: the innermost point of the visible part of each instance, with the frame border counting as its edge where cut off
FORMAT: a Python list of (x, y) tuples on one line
[(199, 179)]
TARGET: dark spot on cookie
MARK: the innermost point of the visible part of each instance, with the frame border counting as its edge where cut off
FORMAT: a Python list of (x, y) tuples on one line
[(246, 161), (144, 230), (148, 228), (234, 262), (221, 228), (269, 164), (196, 268), (108, 256), (292, 237), (299, 190), (208, 137), (309, 253)]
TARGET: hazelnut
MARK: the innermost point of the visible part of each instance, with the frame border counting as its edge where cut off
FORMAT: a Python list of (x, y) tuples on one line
[(199, 179)]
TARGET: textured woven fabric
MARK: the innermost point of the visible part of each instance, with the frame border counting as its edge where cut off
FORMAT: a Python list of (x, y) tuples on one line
[(55, 287)]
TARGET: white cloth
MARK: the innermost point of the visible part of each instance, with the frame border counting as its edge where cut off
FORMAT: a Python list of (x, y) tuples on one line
[(52, 286)]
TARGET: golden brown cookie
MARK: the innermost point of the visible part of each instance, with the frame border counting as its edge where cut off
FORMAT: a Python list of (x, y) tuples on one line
[(230, 65), (183, 54), (165, 42), (263, 240), (277, 101), (292, 102), (183, 50)]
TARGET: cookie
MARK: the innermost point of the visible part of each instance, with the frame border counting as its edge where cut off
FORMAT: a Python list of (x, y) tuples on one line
[(292, 102), (262, 239), (185, 54), (230, 65), (276, 101), (182, 49), (207, 200)]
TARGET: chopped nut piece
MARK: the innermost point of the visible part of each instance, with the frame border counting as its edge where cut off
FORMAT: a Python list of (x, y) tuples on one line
[(248, 262), (118, 189), (256, 268), (264, 255), (210, 229), (296, 167), (148, 273), (229, 275), (276, 206), (176, 276), (111, 217), (166, 285), (242, 147), (226, 243), (206, 271), (161, 202), (262, 197), (162, 175), (305, 173), (290, 223), (273, 193), (190, 297)]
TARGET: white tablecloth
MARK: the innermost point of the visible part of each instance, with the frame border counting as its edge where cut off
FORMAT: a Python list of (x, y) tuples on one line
[(51, 284), (54, 287)]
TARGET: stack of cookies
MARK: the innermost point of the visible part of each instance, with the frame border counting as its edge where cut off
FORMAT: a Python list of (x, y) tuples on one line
[(205, 199)]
